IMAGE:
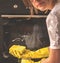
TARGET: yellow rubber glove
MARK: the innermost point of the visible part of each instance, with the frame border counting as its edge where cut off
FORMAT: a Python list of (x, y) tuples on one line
[(21, 52), (17, 50), (27, 61), (40, 53), (31, 61)]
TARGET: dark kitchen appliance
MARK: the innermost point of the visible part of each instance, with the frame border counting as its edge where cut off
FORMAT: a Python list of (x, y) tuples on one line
[(31, 32)]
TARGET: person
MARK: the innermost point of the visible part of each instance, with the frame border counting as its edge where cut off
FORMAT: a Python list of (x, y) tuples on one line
[(53, 27)]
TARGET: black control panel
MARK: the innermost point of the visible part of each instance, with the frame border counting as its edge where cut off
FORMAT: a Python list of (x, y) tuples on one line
[(13, 7)]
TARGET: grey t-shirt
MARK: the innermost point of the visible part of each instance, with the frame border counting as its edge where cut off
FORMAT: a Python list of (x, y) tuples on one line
[(53, 26)]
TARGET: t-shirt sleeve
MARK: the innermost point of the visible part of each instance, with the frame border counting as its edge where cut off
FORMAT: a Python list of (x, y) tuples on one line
[(53, 26)]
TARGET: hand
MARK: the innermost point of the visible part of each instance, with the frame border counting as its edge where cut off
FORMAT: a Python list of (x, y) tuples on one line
[(17, 50), (48, 60), (45, 61)]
